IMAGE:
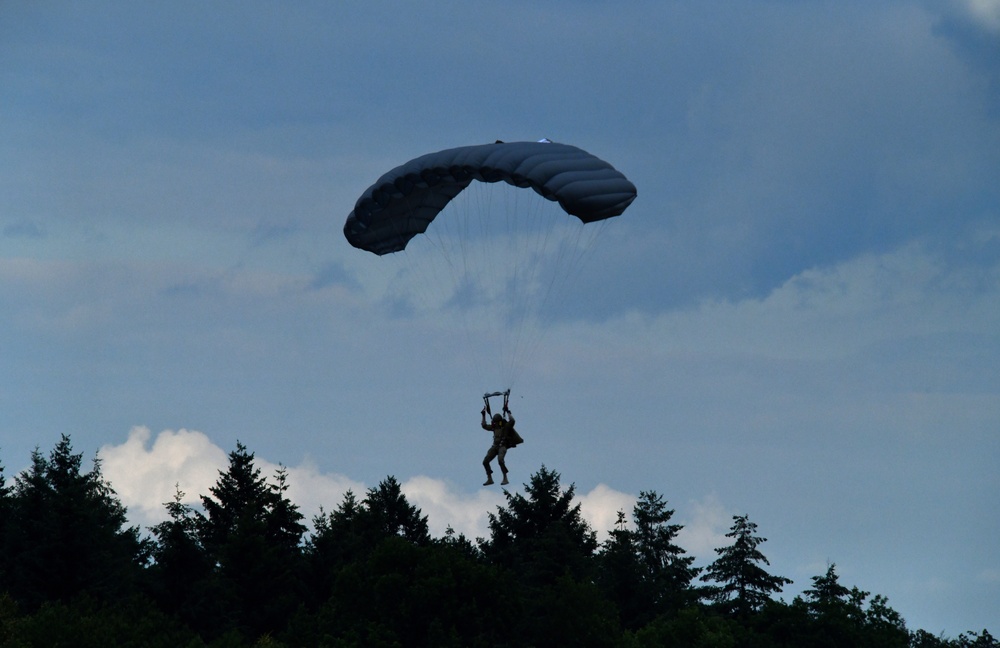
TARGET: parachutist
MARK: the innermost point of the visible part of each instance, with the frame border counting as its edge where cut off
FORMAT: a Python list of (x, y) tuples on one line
[(504, 437)]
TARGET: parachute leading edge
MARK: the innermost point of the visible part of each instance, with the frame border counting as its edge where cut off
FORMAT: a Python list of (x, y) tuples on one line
[(404, 201)]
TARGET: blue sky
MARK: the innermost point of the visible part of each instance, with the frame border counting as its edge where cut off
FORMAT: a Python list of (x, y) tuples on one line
[(798, 318)]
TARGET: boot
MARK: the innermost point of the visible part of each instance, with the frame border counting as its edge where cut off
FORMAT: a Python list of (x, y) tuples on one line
[(504, 482), (489, 480)]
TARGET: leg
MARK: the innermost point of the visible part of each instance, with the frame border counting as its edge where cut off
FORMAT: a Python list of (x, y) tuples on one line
[(492, 452), (501, 454)]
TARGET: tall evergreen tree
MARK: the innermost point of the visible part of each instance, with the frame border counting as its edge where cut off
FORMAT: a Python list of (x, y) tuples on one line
[(335, 541), (67, 533), (386, 513), (665, 564), (837, 616), (181, 566), (541, 535), (351, 532), (621, 577), (549, 549), (251, 533), (642, 569), (826, 589), (742, 585), (284, 520), (379, 579)]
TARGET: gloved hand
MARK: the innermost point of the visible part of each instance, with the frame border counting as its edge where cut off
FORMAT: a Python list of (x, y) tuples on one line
[(483, 412)]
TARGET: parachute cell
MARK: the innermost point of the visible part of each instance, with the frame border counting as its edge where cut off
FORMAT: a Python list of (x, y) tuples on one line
[(404, 201)]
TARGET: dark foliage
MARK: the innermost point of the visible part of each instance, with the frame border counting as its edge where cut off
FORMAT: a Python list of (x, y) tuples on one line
[(542, 541), (250, 536), (642, 570), (742, 585), (241, 569), (64, 534)]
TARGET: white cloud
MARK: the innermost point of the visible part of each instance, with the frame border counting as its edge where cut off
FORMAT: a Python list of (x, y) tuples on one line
[(311, 490), (600, 508), (706, 530), (145, 477), (444, 507)]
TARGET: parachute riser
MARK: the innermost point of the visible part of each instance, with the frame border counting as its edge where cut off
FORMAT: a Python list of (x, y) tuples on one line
[(489, 395)]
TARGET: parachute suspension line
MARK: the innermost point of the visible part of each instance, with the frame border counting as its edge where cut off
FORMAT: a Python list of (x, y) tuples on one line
[(450, 236), (425, 277), (501, 228), (483, 261), (495, 269), (464, 232), (469, 224), (531, 237), (571, 254), (424, 268), (553, 250), (511, 254), (509, 281), (497, 272), (499, 260), (487, 238)]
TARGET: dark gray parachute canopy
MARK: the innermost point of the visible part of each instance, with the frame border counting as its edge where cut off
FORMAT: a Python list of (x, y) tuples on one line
[(403, 202)]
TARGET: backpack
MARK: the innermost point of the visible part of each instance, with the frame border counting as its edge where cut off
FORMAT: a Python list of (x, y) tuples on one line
[(512, 439)]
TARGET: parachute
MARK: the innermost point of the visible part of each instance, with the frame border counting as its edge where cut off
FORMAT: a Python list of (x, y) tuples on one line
[(469, 237), (404, 201)]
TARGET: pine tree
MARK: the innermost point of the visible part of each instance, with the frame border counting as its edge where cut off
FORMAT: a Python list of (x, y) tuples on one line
[(826, 589), (348, 535), (549, 550), (835, 612), (743, 586), (251, 533), (837, 616), (335, 539), (665, 564), (181, 566), (67, 534), (5, 490), (643, 570), (543, 534), (621, 576), (387, 513), (379, 579)]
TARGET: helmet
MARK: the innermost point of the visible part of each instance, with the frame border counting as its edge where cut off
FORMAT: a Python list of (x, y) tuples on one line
[(497, 419)]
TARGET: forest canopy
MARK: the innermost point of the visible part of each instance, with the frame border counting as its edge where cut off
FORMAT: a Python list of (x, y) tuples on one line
[(245, 568)]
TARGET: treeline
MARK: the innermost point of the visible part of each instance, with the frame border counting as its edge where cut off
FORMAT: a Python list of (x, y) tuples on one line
[(244, 569)]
